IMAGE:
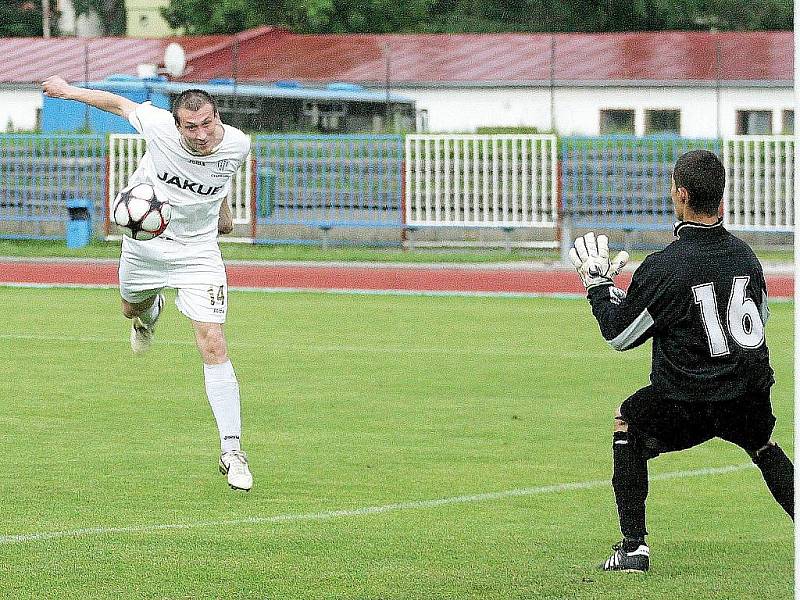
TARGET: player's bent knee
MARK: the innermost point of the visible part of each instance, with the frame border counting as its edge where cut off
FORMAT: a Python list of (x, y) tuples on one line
[(214, 351), (131, 310), (765, 452), (212, 346), (620, 424), (214, 355), (645, 445)]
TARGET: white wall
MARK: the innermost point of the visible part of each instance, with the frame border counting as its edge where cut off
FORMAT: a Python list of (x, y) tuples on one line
[(18, 108), (464, 109), (578, 108)]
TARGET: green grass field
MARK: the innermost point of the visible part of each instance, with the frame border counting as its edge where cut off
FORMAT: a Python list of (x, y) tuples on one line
[(358, 410), (270, 252)]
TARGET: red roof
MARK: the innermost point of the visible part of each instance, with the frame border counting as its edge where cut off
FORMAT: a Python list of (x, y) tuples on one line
[(271, 54), (30, 60)]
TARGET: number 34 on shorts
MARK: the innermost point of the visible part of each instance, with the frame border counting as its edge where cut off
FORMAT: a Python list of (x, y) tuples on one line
[(216, 296)]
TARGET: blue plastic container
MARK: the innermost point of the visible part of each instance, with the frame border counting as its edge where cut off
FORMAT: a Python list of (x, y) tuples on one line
[(79, 222)]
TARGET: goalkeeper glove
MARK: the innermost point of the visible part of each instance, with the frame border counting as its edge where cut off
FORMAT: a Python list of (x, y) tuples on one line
[(590, 257)]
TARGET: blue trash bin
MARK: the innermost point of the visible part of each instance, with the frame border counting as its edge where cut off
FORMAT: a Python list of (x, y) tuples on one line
[(79, 222), (265, 193)]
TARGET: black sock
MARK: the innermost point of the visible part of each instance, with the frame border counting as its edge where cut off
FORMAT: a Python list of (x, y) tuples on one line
[(629, 545), (778, 473), (630, 486)]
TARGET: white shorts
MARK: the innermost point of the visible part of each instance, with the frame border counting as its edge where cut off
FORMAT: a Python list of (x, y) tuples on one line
[(196, 271)]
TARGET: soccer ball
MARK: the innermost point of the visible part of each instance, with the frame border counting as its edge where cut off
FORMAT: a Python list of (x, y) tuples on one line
[(141, 215)]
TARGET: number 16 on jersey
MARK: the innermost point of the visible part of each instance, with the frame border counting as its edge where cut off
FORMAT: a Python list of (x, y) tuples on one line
[(744, 321)]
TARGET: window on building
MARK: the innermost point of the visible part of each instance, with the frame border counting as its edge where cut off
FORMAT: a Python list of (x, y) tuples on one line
[(662, 121), (753, 122), (788, 122), (616, 120)]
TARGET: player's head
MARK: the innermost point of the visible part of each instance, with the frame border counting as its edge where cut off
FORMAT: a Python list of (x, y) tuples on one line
[(700, 176), (197, 118)]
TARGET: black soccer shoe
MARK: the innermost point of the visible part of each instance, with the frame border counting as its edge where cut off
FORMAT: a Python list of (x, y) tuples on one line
[(636, 561)]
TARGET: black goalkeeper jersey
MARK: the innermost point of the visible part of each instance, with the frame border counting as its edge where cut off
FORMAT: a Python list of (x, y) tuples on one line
[(703, 300)]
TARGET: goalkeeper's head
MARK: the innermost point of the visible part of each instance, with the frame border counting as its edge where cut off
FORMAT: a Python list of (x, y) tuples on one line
[(702, 175)]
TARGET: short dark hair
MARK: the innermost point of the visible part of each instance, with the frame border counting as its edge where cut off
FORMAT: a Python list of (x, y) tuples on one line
[(192, 100), (702, 175)]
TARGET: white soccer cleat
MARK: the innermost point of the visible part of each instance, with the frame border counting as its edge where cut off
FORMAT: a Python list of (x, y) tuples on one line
[(141, 334), (234, 465)]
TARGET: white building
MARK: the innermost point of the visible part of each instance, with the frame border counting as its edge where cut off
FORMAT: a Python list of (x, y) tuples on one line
[(639, 108)]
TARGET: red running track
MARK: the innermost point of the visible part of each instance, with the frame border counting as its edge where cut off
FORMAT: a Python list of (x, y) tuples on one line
[(342, 277)]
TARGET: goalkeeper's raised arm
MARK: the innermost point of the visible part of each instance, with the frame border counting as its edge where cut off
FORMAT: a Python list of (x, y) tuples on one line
[(57, 87)]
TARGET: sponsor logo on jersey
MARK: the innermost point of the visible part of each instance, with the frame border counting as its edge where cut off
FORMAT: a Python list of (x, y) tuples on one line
[(197, 162), (192, 186)]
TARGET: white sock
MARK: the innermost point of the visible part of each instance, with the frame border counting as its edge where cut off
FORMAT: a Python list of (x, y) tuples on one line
[(222, 390), (149, 316)]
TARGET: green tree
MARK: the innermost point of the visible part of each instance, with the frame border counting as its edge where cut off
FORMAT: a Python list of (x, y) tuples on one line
[(110, 12), (23, 18), (734, 15), (608, 15), (453, 16), (198, 17), (302, 16)]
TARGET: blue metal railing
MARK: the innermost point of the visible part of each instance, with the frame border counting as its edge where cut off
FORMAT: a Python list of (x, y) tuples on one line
[(622, 182), (39, 173), (329, 180), (345, 181)]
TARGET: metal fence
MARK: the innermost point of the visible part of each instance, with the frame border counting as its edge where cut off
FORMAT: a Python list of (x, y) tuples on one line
[(329, 180), (759, 194), (621, 182), (384, 181), (39, 173), (481, 180)]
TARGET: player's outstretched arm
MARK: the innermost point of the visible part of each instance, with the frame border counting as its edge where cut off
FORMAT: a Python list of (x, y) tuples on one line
[(56, 87), (225, 223)]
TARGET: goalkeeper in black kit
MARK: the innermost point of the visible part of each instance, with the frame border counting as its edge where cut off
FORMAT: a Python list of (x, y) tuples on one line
[(703, 301)]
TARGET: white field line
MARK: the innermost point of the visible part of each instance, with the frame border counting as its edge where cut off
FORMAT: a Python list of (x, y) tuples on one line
[(354, 512), (292, 290), (444, 293), (312, 349), (349, 291)]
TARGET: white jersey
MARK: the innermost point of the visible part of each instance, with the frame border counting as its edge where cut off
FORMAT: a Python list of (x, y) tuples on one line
[(194, 185)]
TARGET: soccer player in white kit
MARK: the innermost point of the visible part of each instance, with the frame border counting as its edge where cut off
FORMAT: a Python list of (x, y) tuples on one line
[(190, 159)]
